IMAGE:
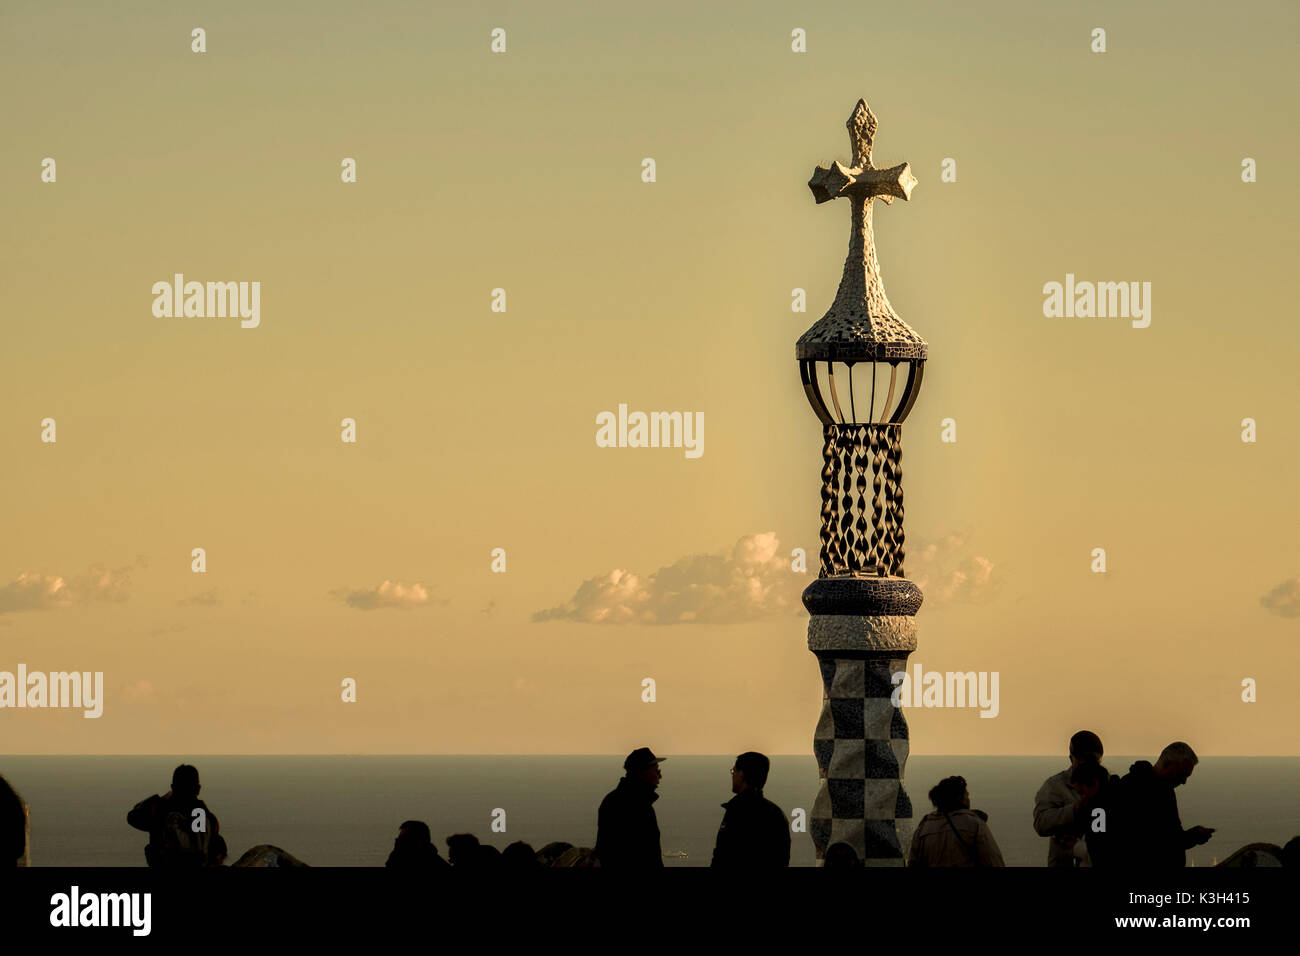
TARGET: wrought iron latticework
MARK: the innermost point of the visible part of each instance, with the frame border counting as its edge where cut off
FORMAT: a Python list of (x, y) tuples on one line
[(861, 534)]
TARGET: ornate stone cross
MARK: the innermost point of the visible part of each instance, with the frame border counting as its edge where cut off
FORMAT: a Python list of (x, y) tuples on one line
[(861, 310)]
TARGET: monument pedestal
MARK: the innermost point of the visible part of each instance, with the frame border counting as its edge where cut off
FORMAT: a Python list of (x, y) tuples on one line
[(861, 741)]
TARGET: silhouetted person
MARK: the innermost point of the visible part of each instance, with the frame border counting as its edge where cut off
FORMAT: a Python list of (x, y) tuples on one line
[(754, 832), (1055, 803), (178, 837), (462, 851), (1148, 832), (413, 849), (954, 835), (841, 856), (1096, 788), (13, 827), (627, 830), (488, 858), (519, 856), (1291, 852)]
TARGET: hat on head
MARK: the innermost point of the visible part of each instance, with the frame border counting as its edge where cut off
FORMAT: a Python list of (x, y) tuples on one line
[(641, 759)]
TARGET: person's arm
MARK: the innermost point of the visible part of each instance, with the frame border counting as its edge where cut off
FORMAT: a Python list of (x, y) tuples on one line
[(1051, 817), (987, 847), (783, 858), (141, 816)]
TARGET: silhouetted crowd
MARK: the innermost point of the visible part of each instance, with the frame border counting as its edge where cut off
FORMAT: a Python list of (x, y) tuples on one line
[(1090, 817)]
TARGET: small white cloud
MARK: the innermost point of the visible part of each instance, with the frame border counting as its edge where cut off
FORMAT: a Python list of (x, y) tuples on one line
[(393, 594), (1283, 600)]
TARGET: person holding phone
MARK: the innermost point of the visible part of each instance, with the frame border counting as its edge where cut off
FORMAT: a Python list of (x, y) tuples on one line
[(1148, 831)]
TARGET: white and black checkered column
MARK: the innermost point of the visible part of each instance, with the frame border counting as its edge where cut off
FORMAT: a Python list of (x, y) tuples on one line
[(862, 630)]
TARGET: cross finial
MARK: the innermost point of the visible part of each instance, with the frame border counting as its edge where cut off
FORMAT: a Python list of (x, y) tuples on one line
[(862, 179), (861, 325)]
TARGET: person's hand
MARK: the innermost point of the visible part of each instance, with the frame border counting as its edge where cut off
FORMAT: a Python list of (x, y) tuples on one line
[(1202, 834)]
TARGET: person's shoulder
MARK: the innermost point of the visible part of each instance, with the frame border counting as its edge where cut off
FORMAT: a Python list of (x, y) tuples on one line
[(1053, 784)]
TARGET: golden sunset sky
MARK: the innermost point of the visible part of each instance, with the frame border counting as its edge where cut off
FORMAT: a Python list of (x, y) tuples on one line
[(476, 428)]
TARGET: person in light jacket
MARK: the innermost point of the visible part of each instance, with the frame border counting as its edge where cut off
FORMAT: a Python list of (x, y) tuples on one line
[(954, 835), (1056, 802)]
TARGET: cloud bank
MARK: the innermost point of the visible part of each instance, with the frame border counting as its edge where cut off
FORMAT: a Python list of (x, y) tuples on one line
[(33, 591), (753, 582)]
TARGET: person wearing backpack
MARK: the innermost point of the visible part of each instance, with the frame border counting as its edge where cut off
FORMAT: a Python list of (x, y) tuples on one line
[(182, 830), (954, 835)]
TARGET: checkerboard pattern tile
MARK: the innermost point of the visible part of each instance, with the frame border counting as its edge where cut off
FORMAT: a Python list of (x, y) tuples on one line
[(861, 748)]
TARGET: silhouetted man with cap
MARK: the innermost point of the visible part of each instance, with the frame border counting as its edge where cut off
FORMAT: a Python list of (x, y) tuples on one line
[(627, 830), (754, 833)]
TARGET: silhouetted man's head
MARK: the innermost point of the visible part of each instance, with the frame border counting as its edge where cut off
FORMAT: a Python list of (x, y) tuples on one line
[(185, 781), (641, 764), (462, 850), (950, 794), (1085, 745), (414, 833), (749, 772), (1176, 763)]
